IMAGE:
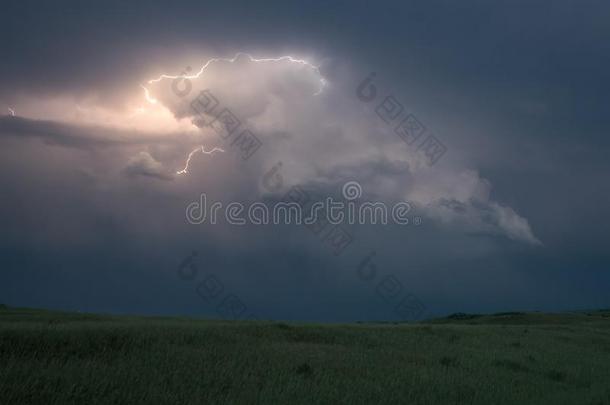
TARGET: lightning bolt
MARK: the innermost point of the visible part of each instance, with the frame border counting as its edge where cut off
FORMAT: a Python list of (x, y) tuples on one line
[(199, 149), (153, 100), (303, 62), (147, 95)]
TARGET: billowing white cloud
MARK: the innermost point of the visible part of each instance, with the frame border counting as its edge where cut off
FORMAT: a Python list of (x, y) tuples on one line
[(321, 132)]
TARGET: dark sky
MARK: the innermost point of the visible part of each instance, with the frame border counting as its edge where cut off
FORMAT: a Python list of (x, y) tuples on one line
[(513, 214)]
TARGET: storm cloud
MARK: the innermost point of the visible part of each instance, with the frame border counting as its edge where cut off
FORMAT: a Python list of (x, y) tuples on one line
[(513, 214)]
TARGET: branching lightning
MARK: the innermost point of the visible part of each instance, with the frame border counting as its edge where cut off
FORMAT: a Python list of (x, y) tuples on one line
[(11, 111), (199, 149), (303, 62), (153, 100)]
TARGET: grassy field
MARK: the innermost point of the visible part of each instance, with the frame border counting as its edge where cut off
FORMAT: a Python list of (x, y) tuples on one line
[(64, 358)]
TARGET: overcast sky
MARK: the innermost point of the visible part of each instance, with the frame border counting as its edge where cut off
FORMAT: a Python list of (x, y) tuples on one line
[(92, 135)]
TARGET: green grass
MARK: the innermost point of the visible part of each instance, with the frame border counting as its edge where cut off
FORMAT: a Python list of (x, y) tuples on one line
[(534, 358)]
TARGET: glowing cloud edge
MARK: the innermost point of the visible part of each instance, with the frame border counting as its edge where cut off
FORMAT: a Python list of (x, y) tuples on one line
[(289, 58)]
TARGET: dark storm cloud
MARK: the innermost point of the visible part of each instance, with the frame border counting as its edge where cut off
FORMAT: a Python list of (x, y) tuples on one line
[(143, 164), (517, 90)]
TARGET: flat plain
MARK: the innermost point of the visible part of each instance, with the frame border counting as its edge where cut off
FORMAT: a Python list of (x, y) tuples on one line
[(49, 357)]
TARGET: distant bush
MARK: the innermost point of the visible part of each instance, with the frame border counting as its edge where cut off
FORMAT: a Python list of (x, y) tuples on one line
[(462, 316), (449, 361), (511, 365), (304, 370), (509, 314), (556, 375)]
